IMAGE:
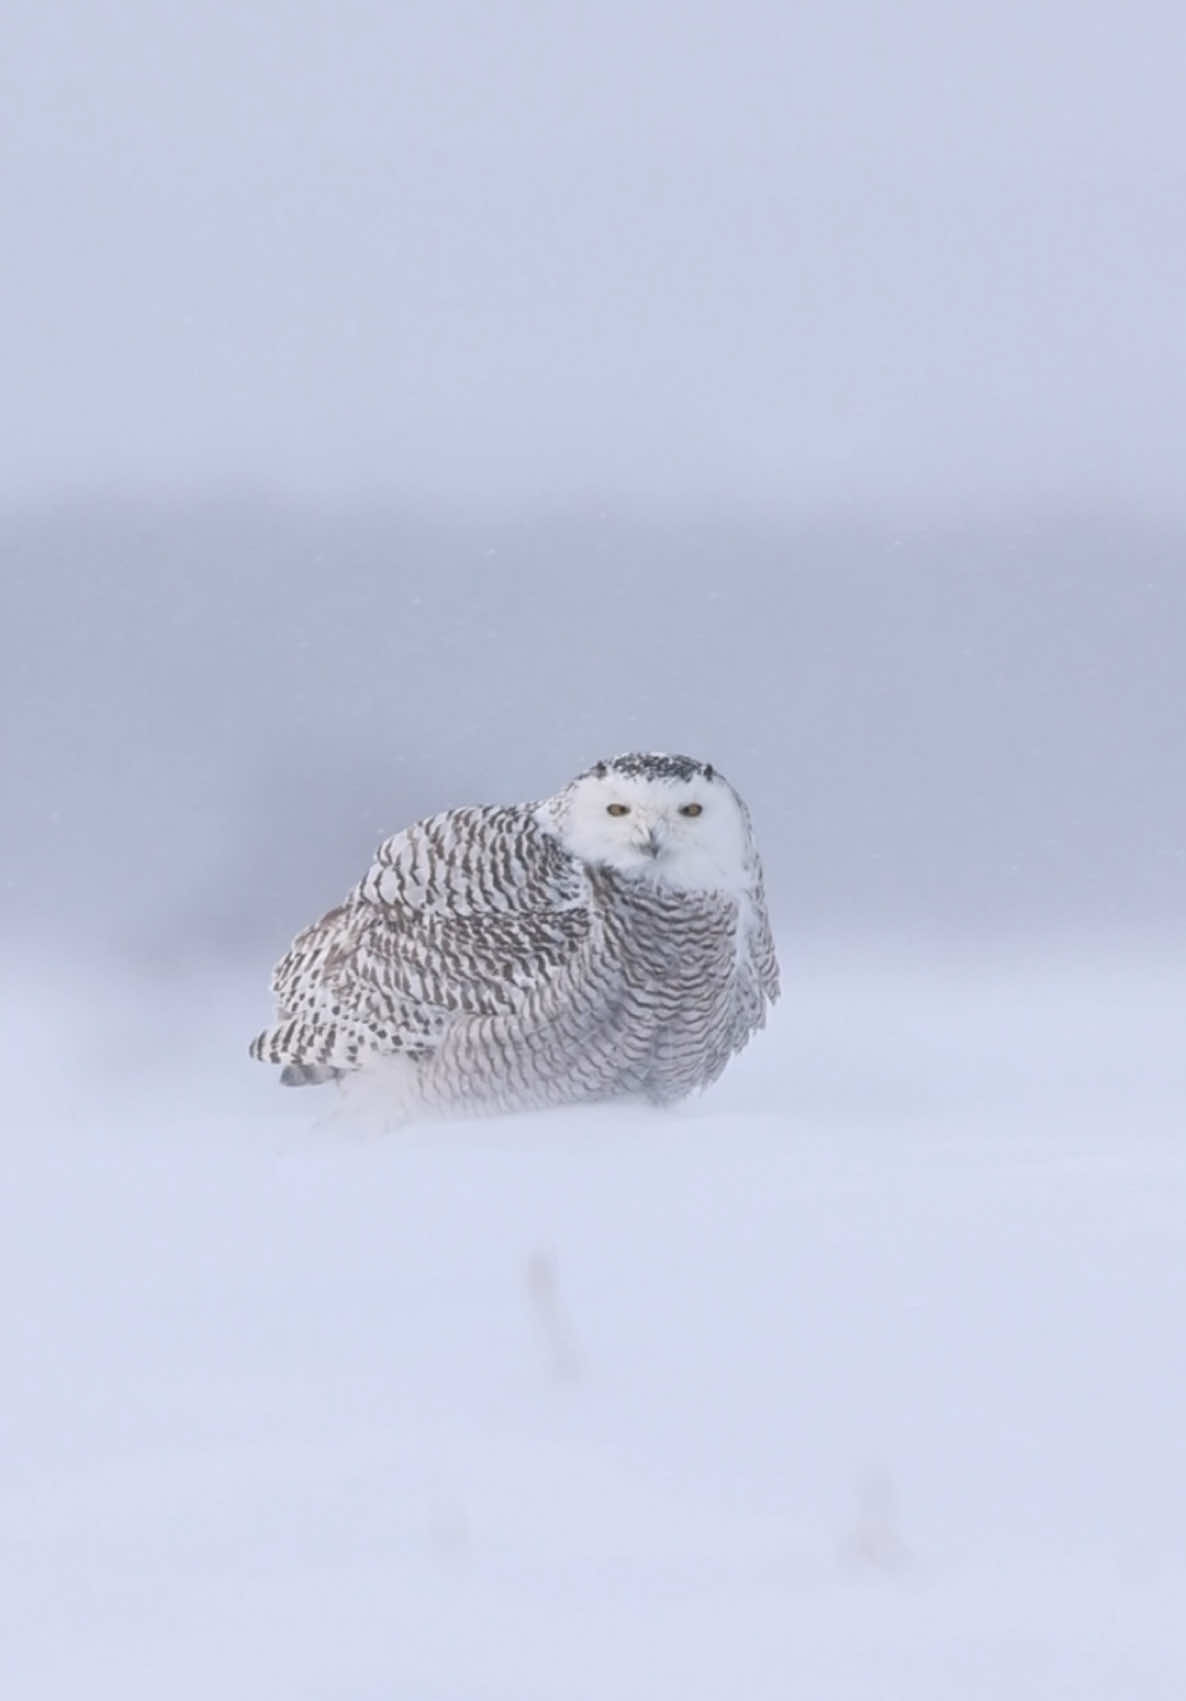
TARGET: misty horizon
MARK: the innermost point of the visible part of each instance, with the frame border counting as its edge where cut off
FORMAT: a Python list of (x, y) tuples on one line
[(222, 707)]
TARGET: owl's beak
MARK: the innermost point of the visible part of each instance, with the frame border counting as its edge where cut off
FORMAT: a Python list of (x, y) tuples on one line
[(652, 844)]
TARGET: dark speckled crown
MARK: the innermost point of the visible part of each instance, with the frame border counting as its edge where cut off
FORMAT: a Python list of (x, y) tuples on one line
[(654, 765)]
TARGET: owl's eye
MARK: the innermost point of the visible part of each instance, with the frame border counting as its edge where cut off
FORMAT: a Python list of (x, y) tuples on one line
[(692, 809), (617, 809)]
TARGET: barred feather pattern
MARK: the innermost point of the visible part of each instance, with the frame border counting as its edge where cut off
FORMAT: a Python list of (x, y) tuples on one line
[(512, 975)]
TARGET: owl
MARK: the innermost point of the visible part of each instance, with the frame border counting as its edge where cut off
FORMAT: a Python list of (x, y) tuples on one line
[(611, 941)]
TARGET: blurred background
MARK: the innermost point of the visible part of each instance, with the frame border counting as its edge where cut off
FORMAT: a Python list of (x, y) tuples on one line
[(216, 709), (402, 410)]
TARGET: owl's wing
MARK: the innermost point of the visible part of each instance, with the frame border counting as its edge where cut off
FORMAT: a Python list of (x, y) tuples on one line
[(465, 913), (761, 938)]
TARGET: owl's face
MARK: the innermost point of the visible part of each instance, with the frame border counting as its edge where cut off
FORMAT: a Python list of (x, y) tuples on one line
[(661, 818)]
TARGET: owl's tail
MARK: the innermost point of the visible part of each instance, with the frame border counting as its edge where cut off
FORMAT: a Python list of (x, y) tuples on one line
[(308, 1053)]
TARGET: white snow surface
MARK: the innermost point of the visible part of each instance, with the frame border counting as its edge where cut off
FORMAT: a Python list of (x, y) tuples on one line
[(862, 1376)]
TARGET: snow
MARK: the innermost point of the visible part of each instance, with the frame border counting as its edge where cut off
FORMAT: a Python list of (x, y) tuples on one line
[(861, 1376)]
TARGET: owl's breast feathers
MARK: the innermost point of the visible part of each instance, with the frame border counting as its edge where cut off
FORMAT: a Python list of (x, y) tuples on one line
[(514, 975)]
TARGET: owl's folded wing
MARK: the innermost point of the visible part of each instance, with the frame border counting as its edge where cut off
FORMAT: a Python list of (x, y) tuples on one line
[(467, 913)]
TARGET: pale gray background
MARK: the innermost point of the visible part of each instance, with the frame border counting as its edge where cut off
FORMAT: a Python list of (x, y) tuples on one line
[(902, 255), (217, 710), (406, 405)]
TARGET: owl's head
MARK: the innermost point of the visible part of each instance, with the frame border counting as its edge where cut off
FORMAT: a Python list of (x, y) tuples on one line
[(667, 819)]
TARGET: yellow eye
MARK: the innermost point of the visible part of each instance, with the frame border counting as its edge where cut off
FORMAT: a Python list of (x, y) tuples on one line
[(692, 809), (617, 809)]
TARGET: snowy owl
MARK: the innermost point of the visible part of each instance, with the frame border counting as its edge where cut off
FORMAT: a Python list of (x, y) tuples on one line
[(612, 940)]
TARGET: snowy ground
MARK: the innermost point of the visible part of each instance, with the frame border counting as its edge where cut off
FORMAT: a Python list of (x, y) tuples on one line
[(862, 1377)]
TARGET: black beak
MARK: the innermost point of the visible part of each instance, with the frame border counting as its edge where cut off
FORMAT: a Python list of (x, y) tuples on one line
[(652, 844)]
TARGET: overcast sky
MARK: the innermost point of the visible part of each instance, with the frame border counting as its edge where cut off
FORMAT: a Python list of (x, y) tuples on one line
[(910, 256)]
